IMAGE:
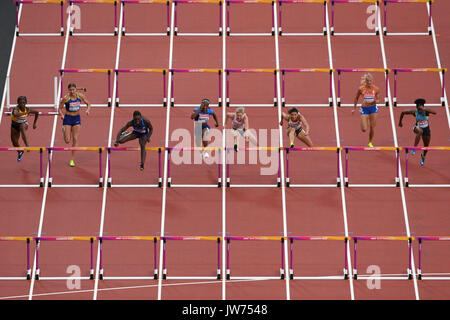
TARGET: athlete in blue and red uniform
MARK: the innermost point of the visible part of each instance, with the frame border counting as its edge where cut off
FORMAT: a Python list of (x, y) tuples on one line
[(422, 126), (71, 119), (142, 130), (201, 116), (369, 109)]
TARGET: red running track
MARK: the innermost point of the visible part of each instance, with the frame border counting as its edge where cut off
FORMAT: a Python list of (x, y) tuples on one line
[(217, 212)]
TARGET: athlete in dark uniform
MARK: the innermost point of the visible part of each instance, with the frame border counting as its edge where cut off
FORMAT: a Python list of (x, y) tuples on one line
[(142, 130)]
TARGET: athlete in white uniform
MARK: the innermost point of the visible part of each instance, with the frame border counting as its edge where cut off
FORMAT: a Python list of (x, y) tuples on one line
[(297, 127), (240, 127)]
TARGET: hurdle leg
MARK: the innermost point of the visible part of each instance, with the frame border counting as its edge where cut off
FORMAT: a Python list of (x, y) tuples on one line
[(17, 19), (355, 270), (228, 276), (169, 178), (41, 181), (406, 169), (62, 18), (330, 98), (283, 75), (345, 261), (338, 179), (219, 179), (227, 168), (123, 18), (279, 169), (332, 18), (291, 261), (282, 259), (220, 18), (37, 259), (397, 177), (228, 19), (155, 267), (386, 98), (273, 18), (172, 98), (159, 168), (100, 158), (117, 88), (168, 17), (324, 17), (443, 86), (220, 88), (227, 91), (91, 275), (339, 89), (385, 19), (164, 89), (28, 260), (109, 88), (100, 275), (175, 19), (429, 18), (164, 259), (394, 99), (409, 271), (218, 259), (287, 167), (419, 270), (275, 88), (346, 168), (116, 29), (50, 179), (377, 29), (280, 31)]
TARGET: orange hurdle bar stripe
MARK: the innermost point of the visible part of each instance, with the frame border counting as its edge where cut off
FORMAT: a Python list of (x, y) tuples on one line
[(409, 1), (39, 1), (306, 69), (94, 1), (198, 1), (257, 238), (303, 1), (65, 238), (354, 1), (251, 70), (141, 69), (434, 238), (314, 148), (76, 148), (362, 70), (427, 148), (15, 238), (373, 149), (419, 69), (146, 1), (192, 238), (22, 148), (85, 70), (135, 148), (250, 1), (313, 238), (389, 238), (146, 238), (195, 70)]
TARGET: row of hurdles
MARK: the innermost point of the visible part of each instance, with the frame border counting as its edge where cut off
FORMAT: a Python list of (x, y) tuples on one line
[(228, 240), (217, 158)]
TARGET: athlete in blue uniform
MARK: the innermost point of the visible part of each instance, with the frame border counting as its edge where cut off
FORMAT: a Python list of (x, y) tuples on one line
[(142, 130), (201, 116), (422, 126), (71, 119)]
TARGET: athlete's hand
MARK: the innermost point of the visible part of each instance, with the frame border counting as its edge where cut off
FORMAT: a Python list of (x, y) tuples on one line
[(61, 116), (306, 133), (87, 111), (353, 110)]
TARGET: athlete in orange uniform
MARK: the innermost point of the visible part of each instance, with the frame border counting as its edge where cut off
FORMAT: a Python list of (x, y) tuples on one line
[(19, 123), (369, 109)]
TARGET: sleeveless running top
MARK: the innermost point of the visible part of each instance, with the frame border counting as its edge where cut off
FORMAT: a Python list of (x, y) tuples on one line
[(73, 105), (295, 124), (422, 119), (142, 128), (238, 124), (369, 96), (20, 116)]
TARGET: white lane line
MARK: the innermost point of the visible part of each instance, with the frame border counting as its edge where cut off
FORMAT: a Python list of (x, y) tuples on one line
[(438, 61), (280, 129), (394, 132), (338, 141), (52, 143), (224, 111), (166, 142), (105, 180)]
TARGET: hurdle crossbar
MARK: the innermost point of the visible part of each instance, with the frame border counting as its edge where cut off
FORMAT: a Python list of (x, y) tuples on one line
[(191, 238), (429, 31), (176, 2), (324, 28), (100, 152), (107, 71), (306, 70), (64, 238), (382, 238), (195, 70), (228, 170), (377, 28), (338, 178), (141, 70), (166, 2), (317, 238), (255, 238), (41, 172), (407, 184), (20, 2), (126, 238), (441, 70), (115, 2), (228, 30), (109, 182), (419, 270), (397, 177), (385, 71), (201, 149), (21, 239), (228, 71)]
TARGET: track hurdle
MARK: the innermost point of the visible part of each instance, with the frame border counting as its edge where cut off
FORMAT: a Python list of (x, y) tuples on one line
[(193, 70), (324, 30), (21, 239), (229, 33), (407, 184), (228, 71), (317, 238), (429, 276), (50, 178), (21, 2), (41, 178), (305, 70), (398, 70), (382, 238), (377, 28), (190, 238), (126, 238), (162, 71), (341, 71), (107, 71), (166, 2), (64, 238), (109, 183), (199, 149), (254, 238), (397, 165), (429, 31), (338, 178), (253, 149), (176, 2), (71, 29)]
